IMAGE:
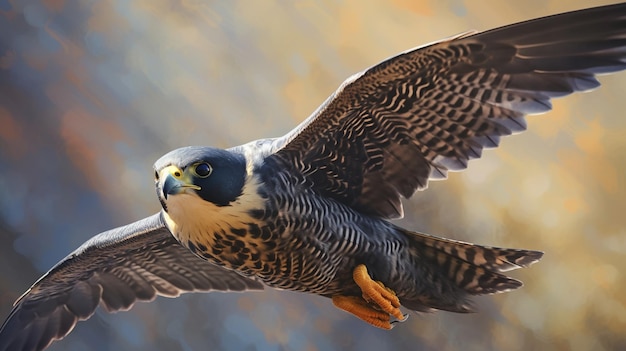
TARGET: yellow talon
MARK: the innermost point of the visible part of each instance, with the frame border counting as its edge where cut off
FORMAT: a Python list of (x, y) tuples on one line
[(376, 306)]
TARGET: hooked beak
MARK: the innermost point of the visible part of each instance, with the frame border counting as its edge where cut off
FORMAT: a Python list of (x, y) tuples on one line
[(175, 181)]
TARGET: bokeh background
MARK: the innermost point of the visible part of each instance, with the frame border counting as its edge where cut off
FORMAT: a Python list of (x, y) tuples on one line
[(92, 92)]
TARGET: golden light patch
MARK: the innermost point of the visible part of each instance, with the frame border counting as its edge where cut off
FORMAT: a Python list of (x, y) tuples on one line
[(607, 175), (605, 275), (421, 8), (298, 92), (575, 205), (553, 122), (591, 139), (350, 25)]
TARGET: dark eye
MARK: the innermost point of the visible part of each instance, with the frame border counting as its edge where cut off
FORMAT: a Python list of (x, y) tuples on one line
[(202, 170), (156, 175)]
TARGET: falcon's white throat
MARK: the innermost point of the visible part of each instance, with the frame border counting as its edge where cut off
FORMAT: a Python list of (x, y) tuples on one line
[(191, 218)]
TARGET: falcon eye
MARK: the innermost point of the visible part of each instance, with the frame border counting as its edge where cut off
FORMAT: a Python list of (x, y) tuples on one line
[(202, 170)]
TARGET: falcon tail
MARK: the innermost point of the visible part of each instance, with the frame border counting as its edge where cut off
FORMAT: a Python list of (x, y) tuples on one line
[(461, 269)]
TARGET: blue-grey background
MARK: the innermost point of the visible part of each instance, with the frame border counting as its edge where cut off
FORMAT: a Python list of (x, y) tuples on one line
[(92, 92)]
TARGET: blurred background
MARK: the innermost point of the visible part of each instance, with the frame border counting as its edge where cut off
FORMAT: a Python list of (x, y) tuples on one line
[(93, 92)]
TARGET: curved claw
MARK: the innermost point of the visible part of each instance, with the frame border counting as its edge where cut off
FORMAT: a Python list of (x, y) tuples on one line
[(406, 316)]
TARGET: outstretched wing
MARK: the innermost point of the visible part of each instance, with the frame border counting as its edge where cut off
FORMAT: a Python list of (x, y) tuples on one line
[(388, 130), (116, 268)]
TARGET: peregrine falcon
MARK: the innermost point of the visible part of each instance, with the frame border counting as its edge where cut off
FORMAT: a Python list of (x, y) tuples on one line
[(310, 211)]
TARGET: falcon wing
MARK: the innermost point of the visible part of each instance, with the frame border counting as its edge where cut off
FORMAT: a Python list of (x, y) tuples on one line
[(388, 130), (116, 268)]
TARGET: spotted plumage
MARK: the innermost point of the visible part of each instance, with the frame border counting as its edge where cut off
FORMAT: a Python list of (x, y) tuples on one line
[(310, 211)]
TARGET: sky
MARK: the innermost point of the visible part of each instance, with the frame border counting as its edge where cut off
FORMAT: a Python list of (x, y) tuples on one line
[(93, 92)]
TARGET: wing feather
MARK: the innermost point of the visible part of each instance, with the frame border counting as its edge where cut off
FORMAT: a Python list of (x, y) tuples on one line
[(117, 268), (412, 118)]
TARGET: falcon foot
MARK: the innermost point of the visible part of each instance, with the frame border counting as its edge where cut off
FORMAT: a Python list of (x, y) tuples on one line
[(376, 306)]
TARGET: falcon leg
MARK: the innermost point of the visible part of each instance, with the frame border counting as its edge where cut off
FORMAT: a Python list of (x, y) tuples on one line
[(376, 306)]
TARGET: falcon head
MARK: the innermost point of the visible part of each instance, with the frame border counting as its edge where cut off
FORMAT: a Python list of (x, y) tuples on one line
[(197, 173), (204, 191)]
